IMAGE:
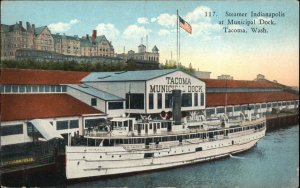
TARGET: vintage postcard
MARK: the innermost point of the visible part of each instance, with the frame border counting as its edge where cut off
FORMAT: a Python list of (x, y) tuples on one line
[(149, 93)]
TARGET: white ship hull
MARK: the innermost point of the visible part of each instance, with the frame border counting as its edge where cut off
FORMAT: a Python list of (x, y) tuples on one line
[(91, 162)]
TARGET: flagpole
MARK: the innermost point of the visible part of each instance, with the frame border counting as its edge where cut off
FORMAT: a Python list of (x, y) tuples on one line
[(177, 46)]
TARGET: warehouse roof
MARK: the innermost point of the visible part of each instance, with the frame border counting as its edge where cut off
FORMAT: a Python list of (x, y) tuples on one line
[(96, 92), (215, 83), (50, 77), (240, 98), (126, 75), (34, 106)]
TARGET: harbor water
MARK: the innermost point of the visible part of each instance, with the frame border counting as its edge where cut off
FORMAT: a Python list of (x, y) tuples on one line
[(273, 162)]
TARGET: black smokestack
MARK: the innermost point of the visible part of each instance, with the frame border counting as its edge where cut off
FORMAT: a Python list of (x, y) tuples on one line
[(176, 98)]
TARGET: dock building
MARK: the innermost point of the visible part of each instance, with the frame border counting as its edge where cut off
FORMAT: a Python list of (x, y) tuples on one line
[(232, 97), (69, 99), (38, 105)]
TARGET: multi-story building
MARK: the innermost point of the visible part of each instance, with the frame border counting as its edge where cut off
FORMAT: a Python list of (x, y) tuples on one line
[(142, 54), (67, 45), (96, 46), (16, 37), (225, 77)]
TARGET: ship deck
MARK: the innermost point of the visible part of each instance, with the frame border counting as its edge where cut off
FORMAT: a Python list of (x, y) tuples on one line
[(95, 134)]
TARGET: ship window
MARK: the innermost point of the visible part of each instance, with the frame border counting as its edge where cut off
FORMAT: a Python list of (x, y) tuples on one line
[(186, 100), (119, 124), (168, 100), (150, 100), (164, 139), (125, 123), (11, 130), (93, 122), (150, 126)]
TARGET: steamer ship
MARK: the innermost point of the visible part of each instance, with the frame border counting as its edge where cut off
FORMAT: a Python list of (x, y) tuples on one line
[(125, 145)]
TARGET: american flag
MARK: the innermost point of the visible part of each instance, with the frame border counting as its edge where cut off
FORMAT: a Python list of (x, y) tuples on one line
[(184, 25)]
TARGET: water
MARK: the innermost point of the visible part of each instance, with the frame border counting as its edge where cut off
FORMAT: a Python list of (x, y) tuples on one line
[(272, 163)]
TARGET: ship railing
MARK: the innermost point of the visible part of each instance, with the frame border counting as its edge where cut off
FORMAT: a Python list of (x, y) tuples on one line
[(97, 134)]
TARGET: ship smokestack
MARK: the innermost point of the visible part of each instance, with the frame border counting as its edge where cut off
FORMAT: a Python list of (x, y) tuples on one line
[(176, 98)]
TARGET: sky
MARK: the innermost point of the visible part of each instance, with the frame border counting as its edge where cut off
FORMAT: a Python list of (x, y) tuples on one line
[(127, 24)]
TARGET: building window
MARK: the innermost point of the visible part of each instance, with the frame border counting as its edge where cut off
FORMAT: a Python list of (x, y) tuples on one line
[(64, 89), (41, 88), (93, 102), (28, 89), (8, 88), (47, 88), (151, 100), (11, 130), (58, 88), (52, 88), (168, 100), (244, 107), (74, 124), (115, 105), (237, 108), (22, 89), (15, 88), (134, 101), (210, 111), (202, 99), (228, 109), (159, 101), (220, 110), (186, 100), (195, 99), (60, 125)]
